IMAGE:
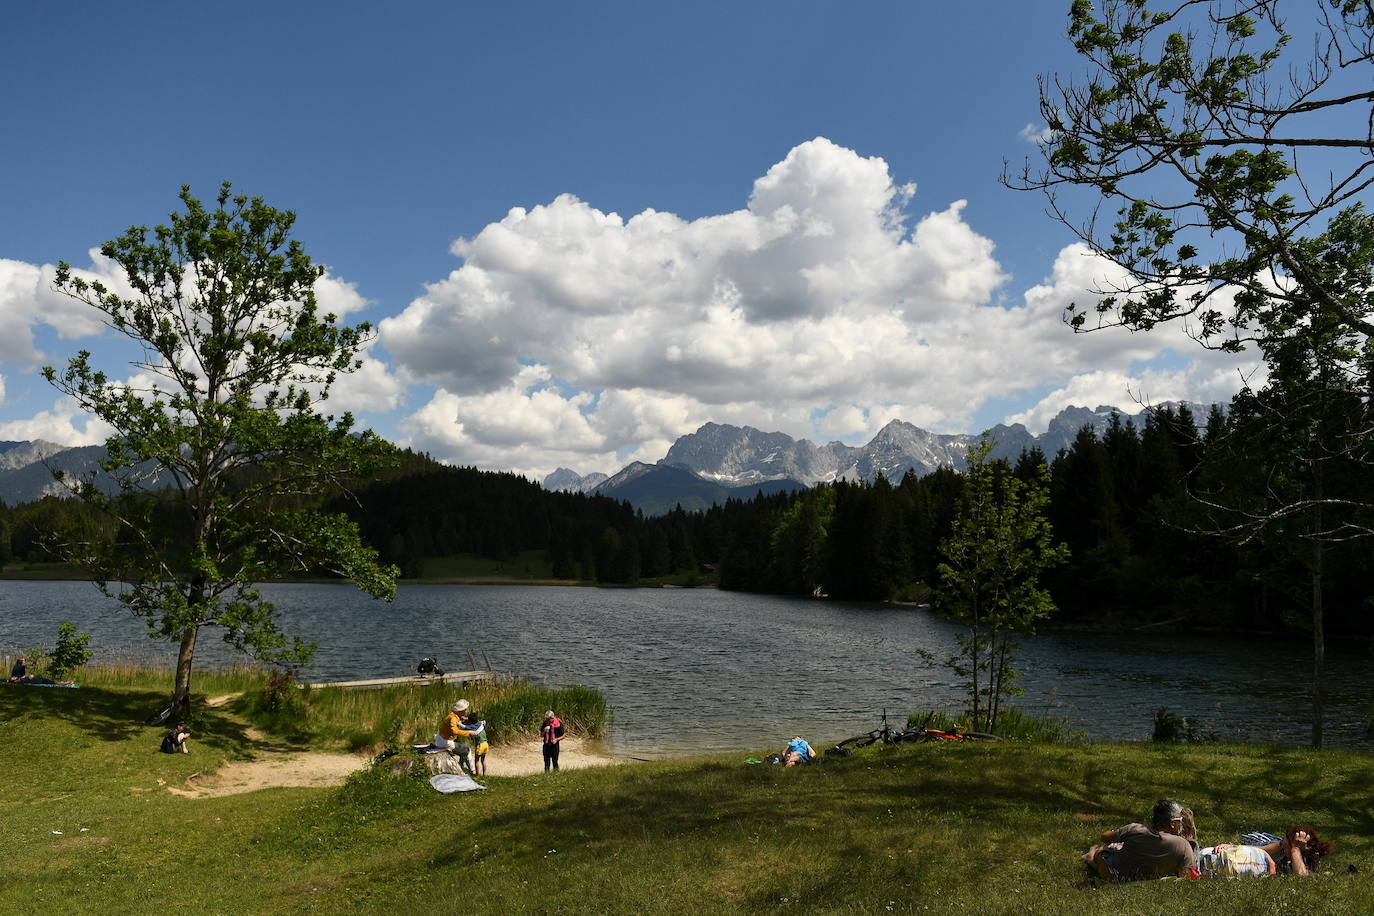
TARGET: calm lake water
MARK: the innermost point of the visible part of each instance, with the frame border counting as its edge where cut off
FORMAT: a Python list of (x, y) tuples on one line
[(689, 670)]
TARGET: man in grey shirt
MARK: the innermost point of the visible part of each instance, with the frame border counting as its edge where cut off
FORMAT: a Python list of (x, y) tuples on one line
[(1135, 852)]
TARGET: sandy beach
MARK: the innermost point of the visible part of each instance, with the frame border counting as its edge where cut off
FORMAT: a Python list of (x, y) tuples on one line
[(274, 769)]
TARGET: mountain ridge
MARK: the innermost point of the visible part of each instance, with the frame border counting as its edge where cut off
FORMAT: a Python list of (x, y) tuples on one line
[(735, 456)]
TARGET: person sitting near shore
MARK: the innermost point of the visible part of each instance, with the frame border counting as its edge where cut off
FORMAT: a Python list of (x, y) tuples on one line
[(19, 674), (1300, 851), (798, 751), (1135, 852), (452, 735)]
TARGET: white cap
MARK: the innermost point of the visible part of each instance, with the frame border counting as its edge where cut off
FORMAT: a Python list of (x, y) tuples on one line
[(460, 706)]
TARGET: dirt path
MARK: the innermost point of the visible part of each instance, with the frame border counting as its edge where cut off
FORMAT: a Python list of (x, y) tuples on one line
[(273, 769)]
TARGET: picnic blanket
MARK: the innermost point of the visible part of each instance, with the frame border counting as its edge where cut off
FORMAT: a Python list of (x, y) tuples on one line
[(428, 749), (448, 783)]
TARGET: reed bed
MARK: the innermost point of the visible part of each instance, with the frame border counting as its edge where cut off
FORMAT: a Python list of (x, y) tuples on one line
[(144, 667), (410, 713), (513, 708)]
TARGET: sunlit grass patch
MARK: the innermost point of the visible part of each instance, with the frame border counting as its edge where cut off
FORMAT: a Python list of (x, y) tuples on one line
[(941, 828)]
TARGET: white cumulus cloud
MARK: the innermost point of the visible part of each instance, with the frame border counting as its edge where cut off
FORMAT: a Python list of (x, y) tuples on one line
[(822, 308)]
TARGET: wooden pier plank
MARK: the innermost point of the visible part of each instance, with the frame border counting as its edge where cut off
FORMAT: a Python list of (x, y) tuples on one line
[(455, 677)]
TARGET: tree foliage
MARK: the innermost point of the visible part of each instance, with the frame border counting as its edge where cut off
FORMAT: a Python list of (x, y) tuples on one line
[(1239, 161), (1222, 135), (1293, 472), (218, 451)]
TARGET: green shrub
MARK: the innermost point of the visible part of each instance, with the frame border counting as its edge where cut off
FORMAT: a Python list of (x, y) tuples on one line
[(1170, 728), (70, 652)]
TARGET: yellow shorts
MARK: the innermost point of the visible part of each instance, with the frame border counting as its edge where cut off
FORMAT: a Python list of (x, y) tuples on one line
[(481, 749)]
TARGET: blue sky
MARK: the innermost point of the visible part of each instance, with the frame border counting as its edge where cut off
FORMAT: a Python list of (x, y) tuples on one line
[(788, 276)]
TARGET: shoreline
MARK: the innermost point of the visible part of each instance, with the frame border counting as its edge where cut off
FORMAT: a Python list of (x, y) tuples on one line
[(323, 769)]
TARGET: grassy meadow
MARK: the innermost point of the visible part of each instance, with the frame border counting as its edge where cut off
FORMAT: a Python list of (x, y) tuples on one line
[(985, 828)]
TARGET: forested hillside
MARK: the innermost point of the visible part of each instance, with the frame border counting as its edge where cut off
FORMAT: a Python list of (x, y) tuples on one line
[(1119, 500)]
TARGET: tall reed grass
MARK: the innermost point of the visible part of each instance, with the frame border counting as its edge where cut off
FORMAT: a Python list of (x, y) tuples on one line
[(410, 713), (354, 718)]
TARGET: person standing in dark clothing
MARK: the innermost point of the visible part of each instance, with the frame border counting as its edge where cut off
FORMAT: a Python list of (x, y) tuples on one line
[(552, 733)]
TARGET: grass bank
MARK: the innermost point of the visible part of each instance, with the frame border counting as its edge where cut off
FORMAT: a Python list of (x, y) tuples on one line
[(988, 828)]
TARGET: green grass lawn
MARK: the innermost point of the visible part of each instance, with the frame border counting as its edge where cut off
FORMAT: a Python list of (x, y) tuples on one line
[(987, 828)]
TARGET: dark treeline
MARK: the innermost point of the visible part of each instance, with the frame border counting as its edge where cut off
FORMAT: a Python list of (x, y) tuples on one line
[(1119, 499)]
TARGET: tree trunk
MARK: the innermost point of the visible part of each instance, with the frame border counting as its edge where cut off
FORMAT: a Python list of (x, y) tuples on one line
[(974, 643), (997, 677), (181, 693), (1318, 642)]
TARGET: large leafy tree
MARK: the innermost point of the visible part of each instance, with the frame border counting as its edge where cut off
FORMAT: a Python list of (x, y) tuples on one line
[(1236, 149), (989, 582), (1221, 135), (219, 455), (1291, 472)]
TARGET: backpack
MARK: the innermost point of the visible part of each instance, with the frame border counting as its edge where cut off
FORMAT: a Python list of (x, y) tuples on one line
[(169, 742)]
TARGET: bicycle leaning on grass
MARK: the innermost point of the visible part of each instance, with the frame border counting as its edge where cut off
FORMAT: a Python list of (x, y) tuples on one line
[(889, 735)]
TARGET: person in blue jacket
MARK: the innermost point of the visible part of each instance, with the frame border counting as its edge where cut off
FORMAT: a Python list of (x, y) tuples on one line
[(798, 751)]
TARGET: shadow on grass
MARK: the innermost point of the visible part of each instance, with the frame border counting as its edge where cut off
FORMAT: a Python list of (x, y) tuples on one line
[(112, 715), (1020, 802), (923, 789)]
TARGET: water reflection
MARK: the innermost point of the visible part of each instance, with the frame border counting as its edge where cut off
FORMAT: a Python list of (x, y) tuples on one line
[(688, 670)]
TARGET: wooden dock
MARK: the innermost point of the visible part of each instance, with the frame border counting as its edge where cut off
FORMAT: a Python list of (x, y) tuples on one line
[(455, 677)]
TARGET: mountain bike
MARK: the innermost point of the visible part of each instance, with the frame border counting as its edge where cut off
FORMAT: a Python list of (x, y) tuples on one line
[(889, 735)]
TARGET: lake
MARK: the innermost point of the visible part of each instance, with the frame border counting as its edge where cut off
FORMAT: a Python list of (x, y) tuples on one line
[(691, 670)]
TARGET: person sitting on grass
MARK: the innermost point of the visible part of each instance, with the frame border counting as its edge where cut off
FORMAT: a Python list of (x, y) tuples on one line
[(19, 674), (452, 735), (798, 751), (1135, 852), (174, 742)]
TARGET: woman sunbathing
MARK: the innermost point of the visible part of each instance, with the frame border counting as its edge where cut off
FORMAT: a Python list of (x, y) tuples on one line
[(1300, 851)]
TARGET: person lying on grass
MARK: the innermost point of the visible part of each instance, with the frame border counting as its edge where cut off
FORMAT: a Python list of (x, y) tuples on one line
[(1135, 852), (798, 751), (1300, 851), (1228, 860)]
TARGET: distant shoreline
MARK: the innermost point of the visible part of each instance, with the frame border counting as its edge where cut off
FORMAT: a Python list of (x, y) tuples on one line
[(18, 573)]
